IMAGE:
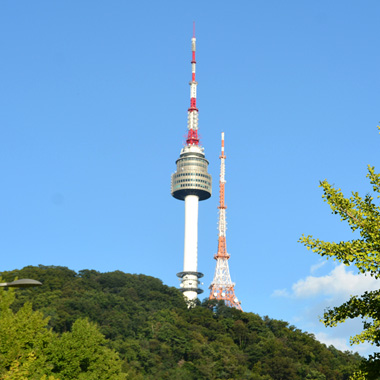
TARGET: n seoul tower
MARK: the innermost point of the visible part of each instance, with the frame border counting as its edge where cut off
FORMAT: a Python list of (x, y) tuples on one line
[(191, 183)]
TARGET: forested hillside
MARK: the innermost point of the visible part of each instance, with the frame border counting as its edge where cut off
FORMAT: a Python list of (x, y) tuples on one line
[(157, 337)]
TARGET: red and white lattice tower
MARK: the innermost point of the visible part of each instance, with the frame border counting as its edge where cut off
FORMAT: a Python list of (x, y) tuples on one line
[(222, 288)]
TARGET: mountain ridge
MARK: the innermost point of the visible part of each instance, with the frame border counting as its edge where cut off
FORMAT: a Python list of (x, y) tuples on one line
[(157, 337)]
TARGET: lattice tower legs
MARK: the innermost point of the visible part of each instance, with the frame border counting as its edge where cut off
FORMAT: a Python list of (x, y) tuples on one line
[(222, 288)]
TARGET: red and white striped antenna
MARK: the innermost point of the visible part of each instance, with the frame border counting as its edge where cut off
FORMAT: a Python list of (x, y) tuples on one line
[(192, 117), (222, 288)]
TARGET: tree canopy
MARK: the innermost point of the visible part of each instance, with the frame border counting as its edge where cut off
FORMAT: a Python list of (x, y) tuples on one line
[(148, 325)]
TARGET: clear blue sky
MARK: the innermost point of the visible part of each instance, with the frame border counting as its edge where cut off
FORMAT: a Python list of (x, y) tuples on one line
[(94, 99)]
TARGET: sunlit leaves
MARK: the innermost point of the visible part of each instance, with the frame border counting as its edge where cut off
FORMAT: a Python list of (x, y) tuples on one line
[(82, 354), (29, 350), (363, 216)]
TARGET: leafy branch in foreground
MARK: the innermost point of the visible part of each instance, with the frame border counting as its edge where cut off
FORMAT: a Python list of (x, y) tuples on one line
[(363, 216)]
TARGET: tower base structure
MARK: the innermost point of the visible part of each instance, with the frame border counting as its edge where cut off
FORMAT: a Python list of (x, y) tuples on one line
[(225, 293), (189, 285), (222, 288)]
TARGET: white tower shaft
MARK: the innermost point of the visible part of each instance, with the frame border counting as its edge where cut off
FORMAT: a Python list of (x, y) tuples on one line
[(190, 259), (190, 256)]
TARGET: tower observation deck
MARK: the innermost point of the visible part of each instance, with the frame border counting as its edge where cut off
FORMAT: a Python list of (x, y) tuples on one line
[(191, 183)]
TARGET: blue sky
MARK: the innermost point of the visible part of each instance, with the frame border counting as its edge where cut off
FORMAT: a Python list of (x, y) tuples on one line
[(94, 99)]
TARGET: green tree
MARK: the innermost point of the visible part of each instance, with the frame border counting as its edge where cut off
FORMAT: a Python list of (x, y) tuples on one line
[(363, 217), (23, 339), (25, 370), (82, 354), (30, 350)]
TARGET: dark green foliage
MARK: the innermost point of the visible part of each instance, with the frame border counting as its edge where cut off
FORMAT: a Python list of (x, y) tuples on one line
[(157, 337), (30, 350)]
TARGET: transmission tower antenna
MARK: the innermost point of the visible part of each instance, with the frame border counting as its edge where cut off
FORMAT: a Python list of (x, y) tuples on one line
[(191, 183), (222, 288)]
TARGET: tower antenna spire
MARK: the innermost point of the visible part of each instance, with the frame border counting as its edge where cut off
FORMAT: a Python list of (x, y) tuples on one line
[(222, 288), (192, 118), (191, 183)]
